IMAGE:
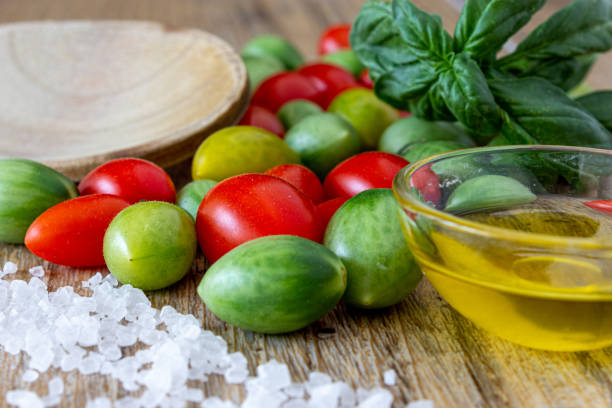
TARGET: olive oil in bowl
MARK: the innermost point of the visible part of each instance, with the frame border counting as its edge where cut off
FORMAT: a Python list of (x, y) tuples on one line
[(537, 273)]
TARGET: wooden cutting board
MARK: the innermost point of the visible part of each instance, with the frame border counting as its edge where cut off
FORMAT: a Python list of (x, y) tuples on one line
[(78, 93)]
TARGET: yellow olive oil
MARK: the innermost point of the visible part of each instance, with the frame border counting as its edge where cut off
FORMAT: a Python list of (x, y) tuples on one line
[(541, 291)]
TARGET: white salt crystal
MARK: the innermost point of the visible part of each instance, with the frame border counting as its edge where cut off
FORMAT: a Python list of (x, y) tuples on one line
[(56, 386), (88, 333), (65, 332), (70, 362), (421, 404), (127, 402), (334, 394), (194, 394), (24, 399), (144, 356), (110, 279), (41, 358), (4, 297), (377, 398), (167, 314), (237, 372), (262, 397), (215, 402), (109, 349), (90, 364), (236, 375), (39, 287), (296, 403), (100, 402), (152, 336), (273, 375), (93, 282), (390, 377), (169, 368), (294, 390), (125, 336), (37, 271), (51, 400), (29, 376), (9, 269), (316, 379)]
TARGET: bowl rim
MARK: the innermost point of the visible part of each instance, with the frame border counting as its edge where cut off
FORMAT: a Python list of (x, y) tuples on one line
[(401, 189)]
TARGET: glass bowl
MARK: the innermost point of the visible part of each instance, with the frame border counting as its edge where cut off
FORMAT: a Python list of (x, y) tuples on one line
[(504, 235)]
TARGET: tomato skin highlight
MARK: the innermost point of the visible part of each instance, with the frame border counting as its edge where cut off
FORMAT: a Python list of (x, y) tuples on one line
[(131, 179), (301, 177), (249, 206), (428, 184), (330, 79), (328, 208), (71, 233), (281, 88), (361, 172), (335, 38), (600, 205), (262, 118)]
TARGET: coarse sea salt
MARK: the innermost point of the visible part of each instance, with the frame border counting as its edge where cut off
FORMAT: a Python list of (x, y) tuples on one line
[(66, 331), (389, 377)]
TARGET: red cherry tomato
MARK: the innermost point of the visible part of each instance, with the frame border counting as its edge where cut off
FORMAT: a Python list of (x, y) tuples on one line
[(263, 119), (328, 208), (249, 206), (131, 179), (404, 114), (362, 172), (301, 177), (600, 205), (72, 232), (335, 38), (281, 88), (365, 79), (329, 79), (428, 184)]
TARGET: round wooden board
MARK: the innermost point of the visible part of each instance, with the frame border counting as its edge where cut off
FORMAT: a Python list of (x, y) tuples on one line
[(75, 94)]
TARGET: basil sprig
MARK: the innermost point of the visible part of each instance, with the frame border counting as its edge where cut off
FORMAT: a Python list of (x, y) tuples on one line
[(418, 66)]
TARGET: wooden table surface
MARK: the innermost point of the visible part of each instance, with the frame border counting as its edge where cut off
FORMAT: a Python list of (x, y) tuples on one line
[(436, 353)]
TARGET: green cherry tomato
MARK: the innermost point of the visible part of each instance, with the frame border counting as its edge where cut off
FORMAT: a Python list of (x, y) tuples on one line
[(261, 67), (190, 196), (27, 189), (366, 235), (369, 115), (150, 245), (323, 140), (414, 130), (417, 151), (239, 149), (273, 46), (294, 111), (346, 59)]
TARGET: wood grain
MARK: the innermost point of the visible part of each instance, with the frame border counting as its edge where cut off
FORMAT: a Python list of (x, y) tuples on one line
[(102, 90), (436, 352)]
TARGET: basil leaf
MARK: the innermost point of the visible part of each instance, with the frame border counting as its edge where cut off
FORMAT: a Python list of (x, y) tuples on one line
[(403, 84), (537, 112), (485, 25), (468, 97), (432, 105), (598, 104), (422, 32), (376, 40), (565, 73), (583, 27)]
